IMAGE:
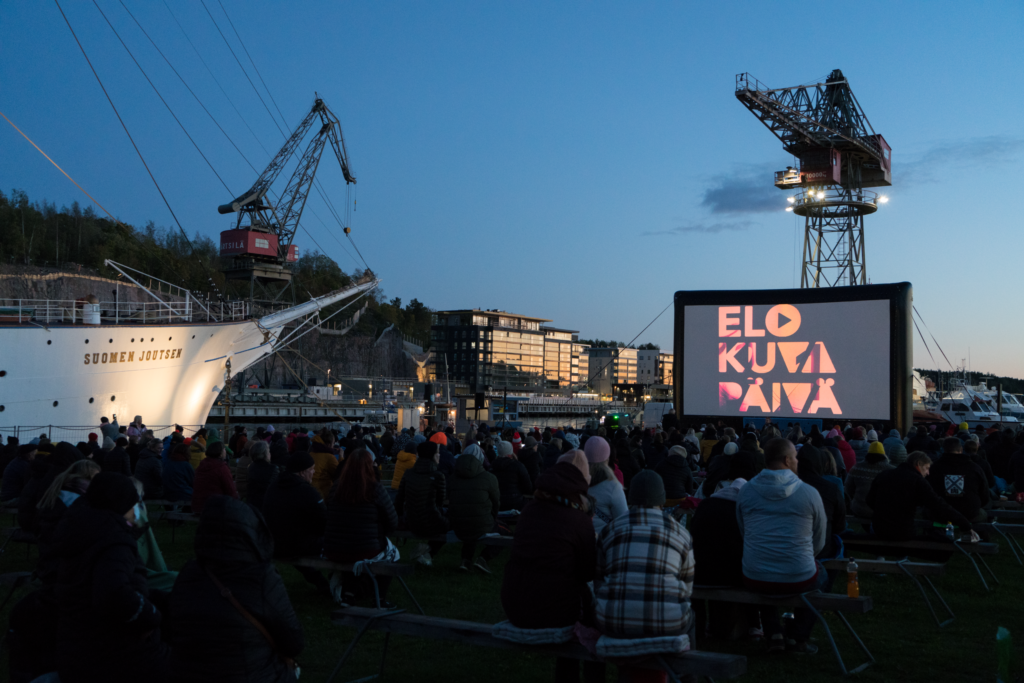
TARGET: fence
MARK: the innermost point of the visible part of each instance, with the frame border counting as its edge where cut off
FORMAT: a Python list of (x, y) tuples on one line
[(58, 433)]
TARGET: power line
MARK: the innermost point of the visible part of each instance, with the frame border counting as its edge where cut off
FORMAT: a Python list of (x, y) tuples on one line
[(152, 85), (135, 146), (242, 43), (191, 92), (209, 71)]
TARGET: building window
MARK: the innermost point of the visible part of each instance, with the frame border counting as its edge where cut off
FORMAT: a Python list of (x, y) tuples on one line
[(262, 243)]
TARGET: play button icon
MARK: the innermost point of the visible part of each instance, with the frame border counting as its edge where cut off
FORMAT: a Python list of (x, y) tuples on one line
[(782, 320)]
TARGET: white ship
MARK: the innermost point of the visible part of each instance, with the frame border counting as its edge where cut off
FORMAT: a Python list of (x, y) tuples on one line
[(68, 363), (962, 403)]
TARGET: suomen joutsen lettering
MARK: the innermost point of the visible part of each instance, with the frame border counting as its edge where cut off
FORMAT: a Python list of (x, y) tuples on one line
[(131, 357)]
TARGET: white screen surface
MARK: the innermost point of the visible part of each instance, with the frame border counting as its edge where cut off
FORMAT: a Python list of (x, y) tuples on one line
[(788, 360)]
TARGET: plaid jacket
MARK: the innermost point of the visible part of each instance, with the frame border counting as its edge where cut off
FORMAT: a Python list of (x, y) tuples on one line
[(644, 575)]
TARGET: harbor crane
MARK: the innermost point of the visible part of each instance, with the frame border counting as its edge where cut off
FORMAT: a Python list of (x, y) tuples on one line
[(839, 155), (259, 248)]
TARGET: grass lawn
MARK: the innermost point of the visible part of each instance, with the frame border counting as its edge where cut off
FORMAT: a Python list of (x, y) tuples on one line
[(899, 631)]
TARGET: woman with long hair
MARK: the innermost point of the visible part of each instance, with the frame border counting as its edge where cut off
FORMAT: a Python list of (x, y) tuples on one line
[(360, 515)]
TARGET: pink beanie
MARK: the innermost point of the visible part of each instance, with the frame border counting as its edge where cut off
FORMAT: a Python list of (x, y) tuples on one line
[(597, 449)]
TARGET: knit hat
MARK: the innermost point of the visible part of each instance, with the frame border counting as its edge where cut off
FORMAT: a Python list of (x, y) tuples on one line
[(858, 433), (872, 435), (530, 442), (597, 449), (963, 427), (108, 443), (440, 439), (573, 439), (517, 442), (475, 451), (93, 436), (504, 449), (577, 459), (647, 489), (426, 449), (112, 491), (876, 448), (730, 449), (679, 450), (300, 462), (410, 447), (270, 429)]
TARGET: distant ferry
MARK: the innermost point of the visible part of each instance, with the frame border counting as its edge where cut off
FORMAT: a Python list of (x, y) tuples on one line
[(66, 363)]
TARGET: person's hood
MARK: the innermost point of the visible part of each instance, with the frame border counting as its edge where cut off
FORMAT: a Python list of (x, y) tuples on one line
[(468, 466), (730, 492), (894, 434), (564, 479), (406, 458), (775, 484), (212, 436), (85, 529), (680, 451), (809, 462), (231, 535)]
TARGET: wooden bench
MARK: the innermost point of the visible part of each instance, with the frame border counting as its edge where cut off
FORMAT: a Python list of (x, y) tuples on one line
[(371, 569), (916, 547), (816, 601), (907, 568), (695, 662), (1007, 531), (450, 537)]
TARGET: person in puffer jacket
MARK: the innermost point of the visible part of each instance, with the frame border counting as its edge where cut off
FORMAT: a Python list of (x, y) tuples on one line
[(676, 473), (859, 444), (473, 507), (405, 461), (211, 641), (322, 450)]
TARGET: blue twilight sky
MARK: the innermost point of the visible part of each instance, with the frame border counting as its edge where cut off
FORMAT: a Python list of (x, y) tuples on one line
[(579, 161)]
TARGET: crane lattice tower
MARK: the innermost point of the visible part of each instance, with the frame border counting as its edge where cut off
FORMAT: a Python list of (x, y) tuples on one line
[(839, 154)]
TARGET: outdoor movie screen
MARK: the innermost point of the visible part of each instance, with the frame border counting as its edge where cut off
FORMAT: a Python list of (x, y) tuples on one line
[(791, 353)]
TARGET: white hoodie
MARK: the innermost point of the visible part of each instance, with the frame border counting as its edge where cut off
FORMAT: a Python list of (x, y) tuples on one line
[(783, 525)]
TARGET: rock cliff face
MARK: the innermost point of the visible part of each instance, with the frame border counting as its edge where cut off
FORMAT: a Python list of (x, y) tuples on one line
[(42, 283)]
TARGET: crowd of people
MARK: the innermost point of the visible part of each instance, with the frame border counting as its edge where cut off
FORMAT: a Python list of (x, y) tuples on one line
[(598, 542)]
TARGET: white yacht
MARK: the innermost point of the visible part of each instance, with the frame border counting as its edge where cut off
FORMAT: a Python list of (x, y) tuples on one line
[(963, 403)]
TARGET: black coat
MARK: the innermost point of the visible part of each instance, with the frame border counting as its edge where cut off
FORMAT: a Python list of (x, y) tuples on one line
[(675, 472), (960, 482), (109, 630), (211, 641), (531, 461), (474, 499), (117, 460), (549, 455), (895, 496), (513, 483), (279, 453), (39, 480), (420, 499), (258, 478), (554, 555), (150, 471), (717, 543), (358, 531), (296, 516), (811, 469)]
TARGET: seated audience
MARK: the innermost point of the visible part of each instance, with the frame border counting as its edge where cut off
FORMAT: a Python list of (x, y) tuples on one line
[(810, 466), (360, 516), (149, 468), (17, 473), (644, 575), (212, 478), (895, 449), (960, 482), (404, 461), (212, 640), (676, 473), (896, 494), (860, 478), (553, 557), (420, 500), (260, 473), (117, 459), (179, 476), (513, 479), (322, 450), (296, 515), (784, 527), (473, 507), (109, 630)]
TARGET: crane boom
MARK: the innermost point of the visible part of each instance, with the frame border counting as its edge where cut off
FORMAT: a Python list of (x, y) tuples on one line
[(268, 235)]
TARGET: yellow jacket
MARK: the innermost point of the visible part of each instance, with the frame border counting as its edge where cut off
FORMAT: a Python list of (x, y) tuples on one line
[(323, 476), (405, 461), (196, 453)]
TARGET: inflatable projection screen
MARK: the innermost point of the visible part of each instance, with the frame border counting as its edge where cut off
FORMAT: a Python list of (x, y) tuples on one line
[(838, 353)]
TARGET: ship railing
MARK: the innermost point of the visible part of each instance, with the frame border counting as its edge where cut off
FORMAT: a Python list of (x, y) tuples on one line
[(80, 311), (74, 434)]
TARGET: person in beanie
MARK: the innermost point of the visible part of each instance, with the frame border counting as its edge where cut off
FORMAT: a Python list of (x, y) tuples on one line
[(530, 457), (513, 479), (859, 479), (605, 489), (644, 575), (473, 503), (213, 478), (517, 443), (297, 516), (108, 628), (420, 500)]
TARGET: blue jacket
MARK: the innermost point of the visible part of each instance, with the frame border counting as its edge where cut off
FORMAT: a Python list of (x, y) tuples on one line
[(895, 449), (178, 477), (783, 524)]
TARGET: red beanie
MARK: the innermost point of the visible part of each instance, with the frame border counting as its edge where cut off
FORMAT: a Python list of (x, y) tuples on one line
[(93, 437)]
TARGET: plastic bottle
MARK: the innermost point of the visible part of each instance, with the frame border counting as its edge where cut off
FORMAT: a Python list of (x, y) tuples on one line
[(852, 584), (949, 531)]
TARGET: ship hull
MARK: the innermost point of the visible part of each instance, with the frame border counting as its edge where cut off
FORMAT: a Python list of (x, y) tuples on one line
[(72, 375)]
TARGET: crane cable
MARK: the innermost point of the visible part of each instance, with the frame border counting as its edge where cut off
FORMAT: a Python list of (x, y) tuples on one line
[(136, 147)]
